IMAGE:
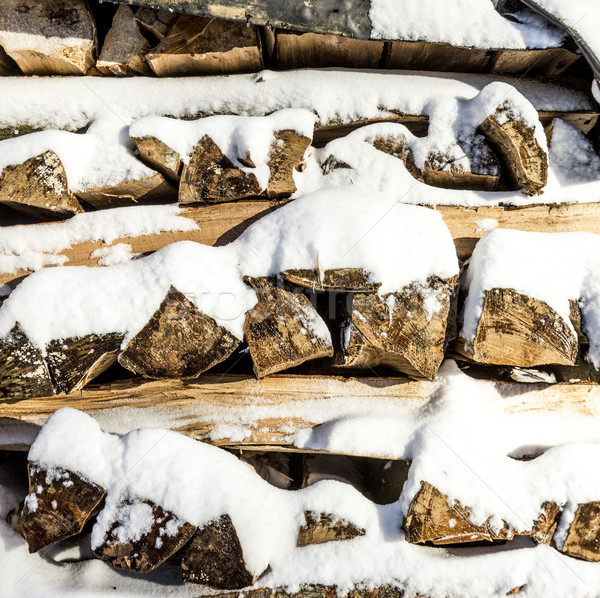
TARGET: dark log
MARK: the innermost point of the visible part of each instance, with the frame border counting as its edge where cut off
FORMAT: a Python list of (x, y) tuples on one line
[(7, 65), (59, 504), (340, 280), (549, 62), (38, 187), (215, 558), (320, 528), (73, 362), (144, 554), (124, 49), (271, 467), (583, 537), (196, 45), (178, 341), (283, 329), (159, 156), (155, 23), (405, 330), (23, 371), (68, 23), (517, 330)]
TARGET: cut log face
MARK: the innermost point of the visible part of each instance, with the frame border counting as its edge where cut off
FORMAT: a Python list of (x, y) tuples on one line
[(153, 189), (545, 525), (431, 519), (283, 329), (210, 177), (38, 187), (207, 47), (320, 528), (404, 330), (61, 36), (312, 50), (160, 157), (523, 159), (73, 362), (517, 330), (154, 22), (59, 504), (178, 342), (125, 48), (583, 537), (286, 155), (148, 550), (23, 371), (343, 280), (215, 558)]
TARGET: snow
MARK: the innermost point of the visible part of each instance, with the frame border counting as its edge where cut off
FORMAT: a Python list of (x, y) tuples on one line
[(338, 228), (572, 155), (236, 136), (115, 254), (466, 23), (551, 267)]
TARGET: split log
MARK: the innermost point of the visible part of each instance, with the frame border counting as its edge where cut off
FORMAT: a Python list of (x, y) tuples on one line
[(23, 371), (523, 159), (155, 23), (48, 38), (200, 46), (153, 189), (215, 557), (125, 48), (341, 280), (405, 330), (311, 50), (211, 177), (59, 504), (179, 341), (517, 330), (545, 525), (159, 156), (549, 62), (38, 186), (320, 528), (73, 362), (283, 329), (146, 551), (583, 536)]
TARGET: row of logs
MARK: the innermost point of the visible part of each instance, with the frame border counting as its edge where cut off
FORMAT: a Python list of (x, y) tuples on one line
[(143, 41)]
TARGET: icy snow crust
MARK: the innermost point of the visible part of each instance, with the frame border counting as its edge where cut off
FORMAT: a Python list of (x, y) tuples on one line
[(198, 482), (467, 23), (551, 267), (345, 227)]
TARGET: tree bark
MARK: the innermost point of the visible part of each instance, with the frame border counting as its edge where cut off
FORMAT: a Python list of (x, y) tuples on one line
[(583, 537), (320, 528)]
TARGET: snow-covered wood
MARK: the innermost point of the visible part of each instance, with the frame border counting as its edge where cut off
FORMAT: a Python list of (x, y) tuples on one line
[(320, 528), (583, 533)]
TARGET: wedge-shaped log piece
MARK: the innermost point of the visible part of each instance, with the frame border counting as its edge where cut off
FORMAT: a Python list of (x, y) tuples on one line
[(545, 525), (23, 371), (201, 46), (287, 153), (283, 329), (73, 362), (153, 189), (355, 280), (38, 187), (143, 550), (155, 23), (517, 330), (405, 330), (48, 38), (58, 505), (583, 536), (322, 527), (124, 49), (215, 558), (523, 158), (160, 156), (179, 341), (431, 519)]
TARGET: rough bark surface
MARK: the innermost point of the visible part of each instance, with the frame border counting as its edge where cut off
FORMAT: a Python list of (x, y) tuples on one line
[(59, 504), (215, 558), (583, 537), (517, 330), (545, 525), (321, 527), (179, 341), (38, 187), (286, 155), (283, 329), (167, 535)]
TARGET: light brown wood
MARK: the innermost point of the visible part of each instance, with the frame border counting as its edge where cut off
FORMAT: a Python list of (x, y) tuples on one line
[(200, 46), (312, 50), (38, 186), (549, 61), (583, 536), (124, 49), (62, 36), (320, 528), (338, 280), (160, 156), (267, 406), (516, 330)]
